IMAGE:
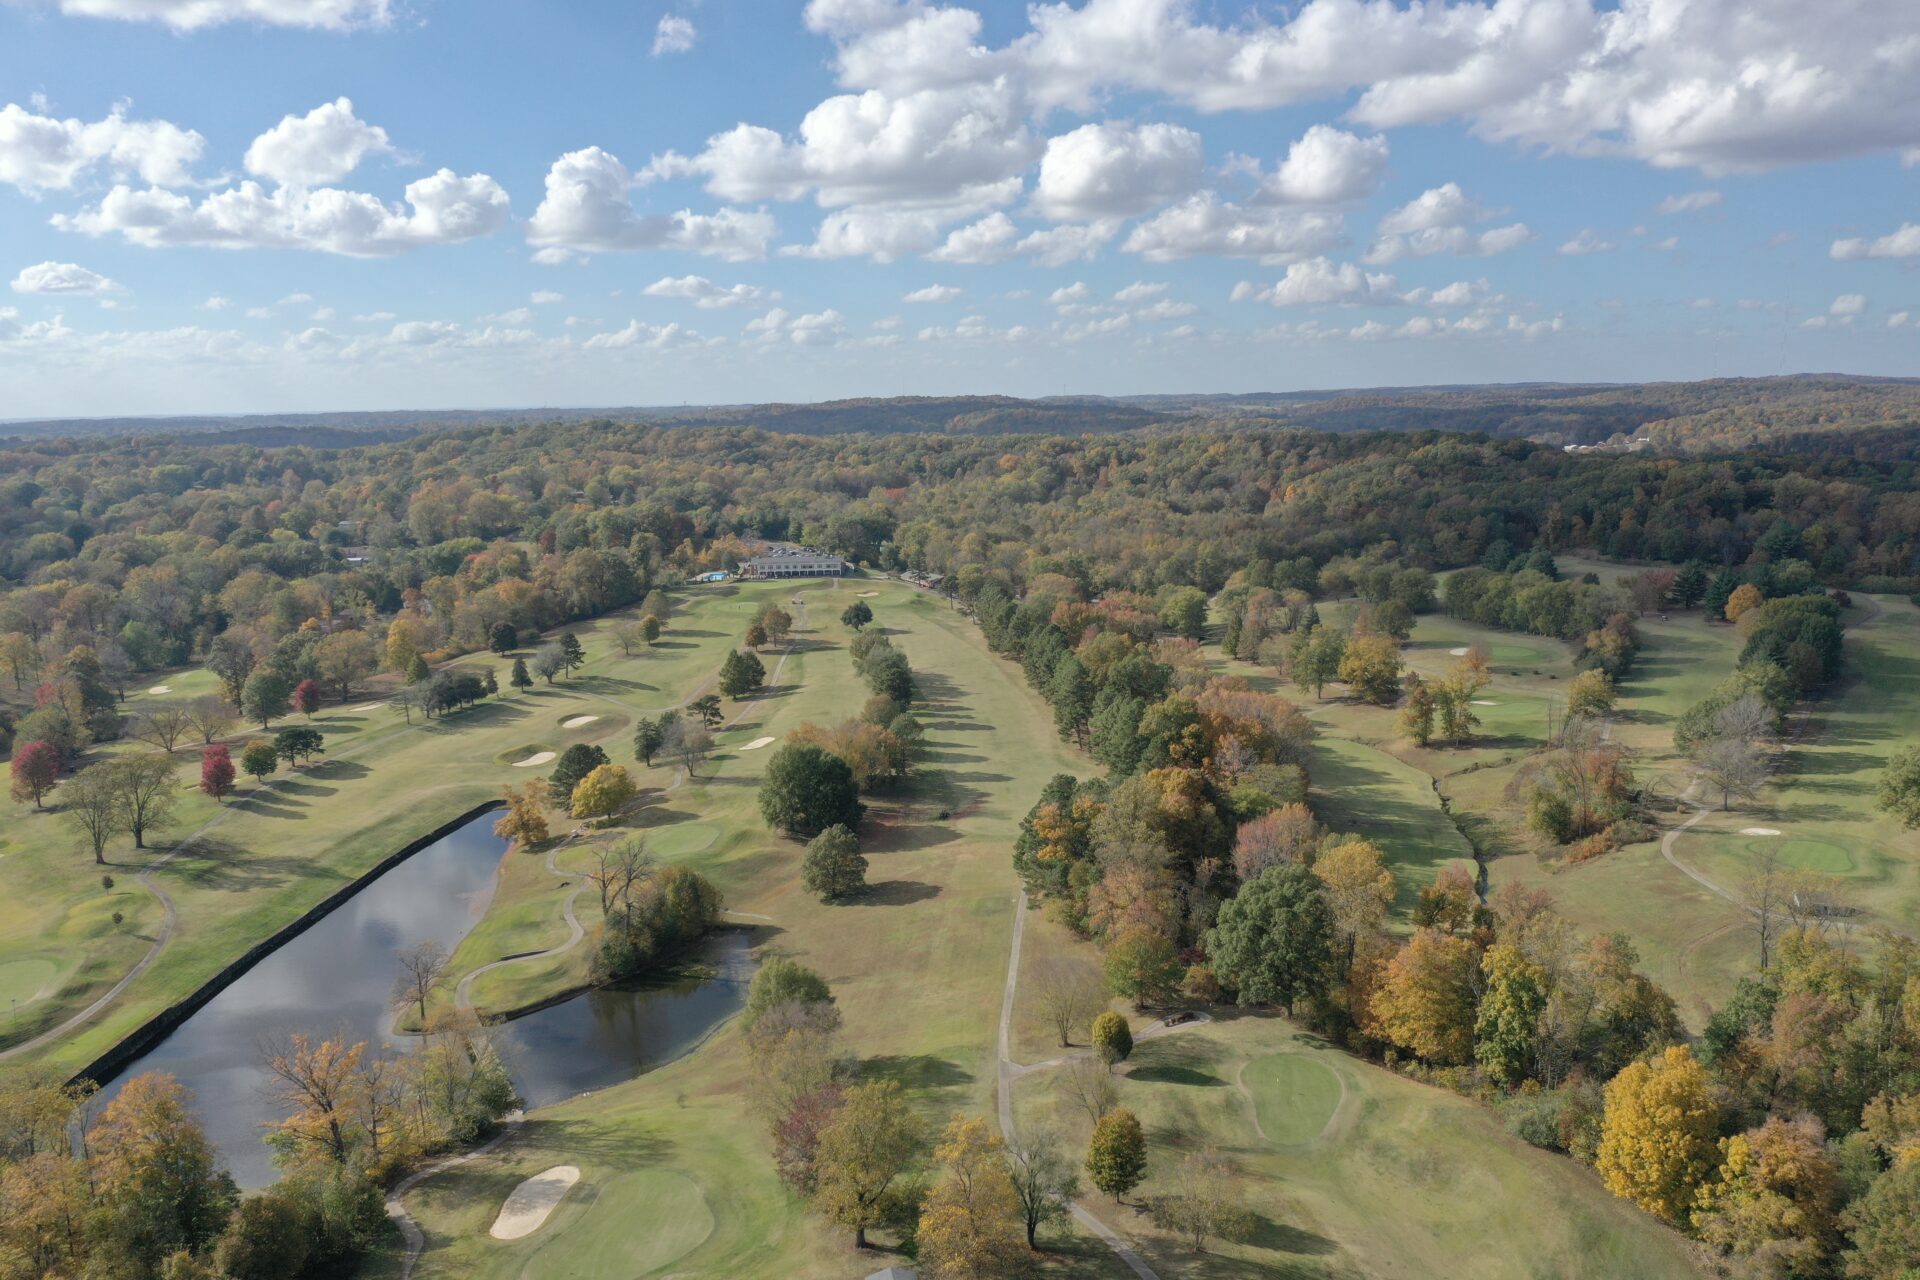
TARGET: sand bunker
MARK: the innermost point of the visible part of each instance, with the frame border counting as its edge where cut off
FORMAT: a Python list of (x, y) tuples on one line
[(538, 757), (1759, 831), (869, 593), (1461, 652), (161, 688), (756, 744), (369, 706), (527, 1208), (1484, 702), (577, 721)]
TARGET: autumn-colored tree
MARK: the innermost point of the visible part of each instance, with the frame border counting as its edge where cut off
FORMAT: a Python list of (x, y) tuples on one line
[(971, 1222), (260, 760), (1510, 1008), (1449, 903), (314, 1081), (1772, 1209), (1657, 1144), (1744, 599), (1112, 1038), (1143, 966), (871, 1142), (1371, 668), (525, 821), (306, 698), (157, 1183), (605, 791), (1360, 891), (1590, 694), (1425, 1000), (1288, 834), (35, 771), (1117, 1153), (1416, 717)]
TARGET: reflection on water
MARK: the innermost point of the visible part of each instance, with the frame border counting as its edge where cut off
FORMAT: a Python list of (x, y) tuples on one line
[(336, 979), (603, 1037)]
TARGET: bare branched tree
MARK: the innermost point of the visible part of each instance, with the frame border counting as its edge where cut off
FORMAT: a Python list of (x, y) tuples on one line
[(420, 967), (163, 726), (1069, 997)]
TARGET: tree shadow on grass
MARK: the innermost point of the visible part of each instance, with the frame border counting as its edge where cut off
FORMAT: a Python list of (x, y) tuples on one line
[(899, 893), (268, 804), (627, 1145), (916, 1071), (222, 866), (340, 770), (298, 787)]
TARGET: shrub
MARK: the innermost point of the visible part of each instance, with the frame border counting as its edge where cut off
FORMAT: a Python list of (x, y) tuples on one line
[(1112, 1039)]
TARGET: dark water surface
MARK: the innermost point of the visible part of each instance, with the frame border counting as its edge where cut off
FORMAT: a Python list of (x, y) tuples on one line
[(336, 979)]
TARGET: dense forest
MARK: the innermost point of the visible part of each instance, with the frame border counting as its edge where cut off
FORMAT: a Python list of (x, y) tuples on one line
[(1684, 418)]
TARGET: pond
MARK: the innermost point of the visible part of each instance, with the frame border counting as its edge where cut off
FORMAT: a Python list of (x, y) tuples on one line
[(336, 979)]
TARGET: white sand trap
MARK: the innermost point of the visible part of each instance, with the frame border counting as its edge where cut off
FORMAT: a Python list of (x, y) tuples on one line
[(369, 706), (1484, 702), (538, 757), (527, 1208), (577, 721), (869, 593), (161, 688), (756, 744), (1758, 831), (1461, 652)]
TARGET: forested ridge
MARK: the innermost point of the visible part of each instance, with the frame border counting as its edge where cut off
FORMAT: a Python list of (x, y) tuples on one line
[(1686, 418)]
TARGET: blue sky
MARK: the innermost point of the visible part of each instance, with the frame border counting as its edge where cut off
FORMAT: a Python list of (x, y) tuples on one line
[(252, 205)]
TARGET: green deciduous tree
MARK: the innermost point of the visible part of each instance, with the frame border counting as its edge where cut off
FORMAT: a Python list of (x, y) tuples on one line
[(1117, 1153), (833, 867), (807, 789), (1510, 1008), (1272, 941), (872, 1141)]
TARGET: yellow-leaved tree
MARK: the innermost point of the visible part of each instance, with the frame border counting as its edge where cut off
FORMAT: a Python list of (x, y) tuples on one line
[(971, 1226), (1657, 1139), (1773, 1206), (603, 792), (1425, 1000)]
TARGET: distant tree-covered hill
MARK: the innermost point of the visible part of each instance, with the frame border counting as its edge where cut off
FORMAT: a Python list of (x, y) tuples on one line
[(1720, 415)]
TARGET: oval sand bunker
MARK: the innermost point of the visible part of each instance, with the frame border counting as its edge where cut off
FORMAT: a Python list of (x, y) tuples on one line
[(1461, 652), (538, 757), (1759, 831), (161, 688), (577, 722), (527, 1208), (756, 744)]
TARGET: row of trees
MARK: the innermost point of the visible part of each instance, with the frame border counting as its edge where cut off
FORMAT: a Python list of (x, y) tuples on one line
[(972, 1204)]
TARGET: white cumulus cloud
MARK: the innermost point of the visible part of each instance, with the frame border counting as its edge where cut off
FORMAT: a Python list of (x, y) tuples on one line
[(1115, 169), (39, 152), (588, 208), (62, 278), (325, 145), (704, 293)]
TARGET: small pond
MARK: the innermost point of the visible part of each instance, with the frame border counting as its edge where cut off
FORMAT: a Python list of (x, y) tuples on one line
[(336, 979)]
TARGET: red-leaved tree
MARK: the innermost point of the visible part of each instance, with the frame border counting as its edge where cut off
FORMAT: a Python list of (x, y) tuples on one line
[(216, 772), (306, 698), (36, 767)]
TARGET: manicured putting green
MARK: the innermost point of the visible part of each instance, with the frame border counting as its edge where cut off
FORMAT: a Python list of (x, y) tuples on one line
[(1293, 1095), (1811, 855), (640, 1223), (24, 979), (685, 837)]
